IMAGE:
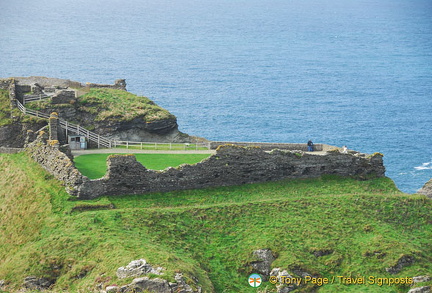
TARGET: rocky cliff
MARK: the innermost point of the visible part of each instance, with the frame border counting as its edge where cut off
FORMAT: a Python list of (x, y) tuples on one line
[(13, 124), (108, 110), (426, 189)]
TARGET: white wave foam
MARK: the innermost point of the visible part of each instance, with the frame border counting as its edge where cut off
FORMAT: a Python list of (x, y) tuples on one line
[(424, 166)]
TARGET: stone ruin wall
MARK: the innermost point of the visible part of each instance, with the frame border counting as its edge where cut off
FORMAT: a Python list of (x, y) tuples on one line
[(6, 150), (47, 82), (231, 165), (119, 84), (17, 86), (319, 147), (5, 83), (56, 161), (10, 85)]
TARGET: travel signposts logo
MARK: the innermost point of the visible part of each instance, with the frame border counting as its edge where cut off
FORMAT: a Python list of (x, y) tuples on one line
[(255, 280)]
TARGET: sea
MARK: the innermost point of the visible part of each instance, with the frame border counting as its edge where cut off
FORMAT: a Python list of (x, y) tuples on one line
[(341, 72)]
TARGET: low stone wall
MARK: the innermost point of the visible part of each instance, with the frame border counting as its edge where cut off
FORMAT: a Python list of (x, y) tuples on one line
[(48, 155), (5, 83), (270, 146), (64, 97), (119, 84), (24, 84), (231, 165), (4, 150)]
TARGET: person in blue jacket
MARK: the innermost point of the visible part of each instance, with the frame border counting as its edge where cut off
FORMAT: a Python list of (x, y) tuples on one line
[(310, 146)]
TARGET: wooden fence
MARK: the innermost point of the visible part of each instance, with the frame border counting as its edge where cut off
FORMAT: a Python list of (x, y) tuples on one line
[(32, 98), (161, 145), (103, 141)]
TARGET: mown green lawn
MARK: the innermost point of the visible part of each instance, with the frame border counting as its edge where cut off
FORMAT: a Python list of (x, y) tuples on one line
[(210, 234), (94, 165)]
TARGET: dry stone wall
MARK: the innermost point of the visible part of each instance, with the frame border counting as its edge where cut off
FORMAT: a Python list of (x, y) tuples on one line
[(231, 165), (59, 163), (5, 83), (270, 145), (4, 150)]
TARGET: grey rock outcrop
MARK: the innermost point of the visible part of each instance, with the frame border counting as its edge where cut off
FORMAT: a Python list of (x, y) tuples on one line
[(138, 268), (263, 265), (403, 261), (281, 276), (424, 289), (151, 285), (181, 286), (156, 285), (421, 279), (426, 189), (112, 289), (35, 283)]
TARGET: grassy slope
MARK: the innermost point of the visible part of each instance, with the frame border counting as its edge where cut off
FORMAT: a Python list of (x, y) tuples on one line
[(94, 165), (4, 108), (6, 112), (210, 234)]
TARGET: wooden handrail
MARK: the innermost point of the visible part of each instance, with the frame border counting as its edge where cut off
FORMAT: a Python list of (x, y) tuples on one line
[(92, 136)]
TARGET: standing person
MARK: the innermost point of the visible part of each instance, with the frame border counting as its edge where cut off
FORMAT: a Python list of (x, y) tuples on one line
[(310, 146), (344, 150)]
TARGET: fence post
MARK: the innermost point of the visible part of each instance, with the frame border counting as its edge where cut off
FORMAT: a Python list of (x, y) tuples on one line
[(141, 146), (127, 144)]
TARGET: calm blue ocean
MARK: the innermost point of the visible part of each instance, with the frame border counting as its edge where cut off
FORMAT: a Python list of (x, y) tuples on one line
[(355, 73)]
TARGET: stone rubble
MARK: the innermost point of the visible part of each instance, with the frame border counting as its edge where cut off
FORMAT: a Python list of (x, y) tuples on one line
[(138, 268)]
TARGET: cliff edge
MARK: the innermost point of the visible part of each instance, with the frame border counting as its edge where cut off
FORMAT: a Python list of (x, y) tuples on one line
[(426, 189), (108, 110)]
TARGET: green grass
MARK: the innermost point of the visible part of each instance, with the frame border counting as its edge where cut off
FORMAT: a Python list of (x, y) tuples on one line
[(210, 234), (5, 109), (94, 166), (6, 112), (118, 103)]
